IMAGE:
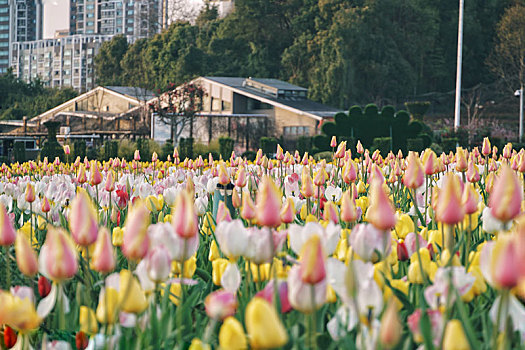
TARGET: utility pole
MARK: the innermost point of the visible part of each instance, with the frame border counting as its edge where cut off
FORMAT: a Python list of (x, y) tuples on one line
[(520, 93), (457, 111)]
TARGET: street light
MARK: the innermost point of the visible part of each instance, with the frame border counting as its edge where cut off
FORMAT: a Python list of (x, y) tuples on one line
[(520, 94), (457, 110)]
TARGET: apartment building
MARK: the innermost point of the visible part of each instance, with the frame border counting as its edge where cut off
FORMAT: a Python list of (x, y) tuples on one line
[(59, 62)]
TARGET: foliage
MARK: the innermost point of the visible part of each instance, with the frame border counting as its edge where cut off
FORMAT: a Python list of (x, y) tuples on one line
[(417, 109), (268, 145), (345, 52), (226, 146), (51, 148), (19, 150), (383, 144), (107, 62), (19, 99), (304, 144), (79, 149), (126, 149), (167, 150), (110, 149)]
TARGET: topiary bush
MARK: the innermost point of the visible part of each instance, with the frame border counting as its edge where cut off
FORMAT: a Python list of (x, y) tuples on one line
[(415, 145), (167, 150), (19, 151), (186, 147), (304, 144), (268, 145), (225, 146), (51, 148), (110, 149), (417, 109), (383, 144), (79, 149), (249, 155)]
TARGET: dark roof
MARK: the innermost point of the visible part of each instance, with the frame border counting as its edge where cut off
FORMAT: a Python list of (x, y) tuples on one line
[(302, 104), (134, 92)]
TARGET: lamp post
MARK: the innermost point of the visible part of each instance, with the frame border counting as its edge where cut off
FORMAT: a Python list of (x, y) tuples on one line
[(457, 111), (520, 94)]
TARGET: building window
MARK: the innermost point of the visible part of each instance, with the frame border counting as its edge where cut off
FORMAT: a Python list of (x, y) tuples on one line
[(296, 130), (256, 104), (215, 104), (226, 106)]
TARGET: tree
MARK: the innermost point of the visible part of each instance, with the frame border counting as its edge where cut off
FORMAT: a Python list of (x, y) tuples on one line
[(107, 61), (508, 57)]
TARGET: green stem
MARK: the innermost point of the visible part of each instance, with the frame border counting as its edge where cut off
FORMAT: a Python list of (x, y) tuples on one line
[(313, 328)]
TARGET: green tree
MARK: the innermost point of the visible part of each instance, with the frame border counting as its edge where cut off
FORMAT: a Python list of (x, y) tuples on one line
[(107, 62)]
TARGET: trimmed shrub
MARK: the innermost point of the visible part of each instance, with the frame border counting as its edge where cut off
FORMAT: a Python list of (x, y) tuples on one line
[(226, 146), (249, 155), (415, 145), (383, 144), (268, 145), (79, 149), (449, 144), (304, 144), (19, 151), (51, 148)]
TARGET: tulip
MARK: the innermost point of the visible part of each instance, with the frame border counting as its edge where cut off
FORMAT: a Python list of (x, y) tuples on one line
[(7, 231), (348, 208), (18, 313), (83, 219), (341, 150), (107, 306), (470, 199), (231, 335), (135, 241), (461, 160), (367, 242), (10, 337), (414, 176), (67, 150), (58, 256), (44, 286), (158, 264), (307, 185), (391, 327), (472, 172), (220, 304), (241, 178), (486, 149), (349, 172), (312, 265), (30, 193), (130, 296), (449, 206), (104, 259), (288, 211), (110, 182), (224, 178), (454, 337), (95, 175), (264, 327), (268, 294), (46, 207), (506, 196), (303, 296), (232, 238), (87, 320), (279, 153), (184, 216), (26, 258), (268, 204), (359, 147), (380, 213), (81, 341), (136, 155)]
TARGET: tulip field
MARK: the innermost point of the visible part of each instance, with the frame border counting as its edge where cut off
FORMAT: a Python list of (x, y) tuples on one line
[(360, 251)]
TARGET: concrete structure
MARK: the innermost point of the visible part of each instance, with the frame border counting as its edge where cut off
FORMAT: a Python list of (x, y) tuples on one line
[(60, 62), (20, 20), (249, 108)]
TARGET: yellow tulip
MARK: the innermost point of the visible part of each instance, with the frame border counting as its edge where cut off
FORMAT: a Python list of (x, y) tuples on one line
[(218, 268), (331, 297), (18, 313), (429, 267), (362, 202), (197, 344), (446, 259), (404, 226), (87, 320), (190, 266), (208, 226), (107, 306), (265, 329), (131, 296), (214, 251), (155, 203), (259, 272), (454, 337), (231, 335), (117, 237)]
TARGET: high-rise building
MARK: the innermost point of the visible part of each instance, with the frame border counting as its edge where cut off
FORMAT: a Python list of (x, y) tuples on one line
[(59, 62), (20, 20)]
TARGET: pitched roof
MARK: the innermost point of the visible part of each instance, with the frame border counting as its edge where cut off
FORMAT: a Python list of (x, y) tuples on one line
[(134, 92), (315, 109)]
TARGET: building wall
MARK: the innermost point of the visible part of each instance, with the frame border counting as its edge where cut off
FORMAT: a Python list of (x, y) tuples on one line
[(4, 35), (287, 119)]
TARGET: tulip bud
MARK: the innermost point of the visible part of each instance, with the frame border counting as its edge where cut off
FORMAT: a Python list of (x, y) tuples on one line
[(236, 199), (44, 286), (268, 204), (307, 186), (81, 341), (312, 266), (506, 196), (330, 212), (341, 150), (486, 149), (136, 155), (470, 199), (224, 178), (359, 147), (67, 150), (449, 206), (454, 337), (391, 327), (58, 256), (247, 208), (264, 327), (220, 304), (429, 162), (461, 160), (7, 231), (30, 193), (135, 241), (414, 176), (380, 213), (241, 177), (81, 176), (83, 219), (10, 338), (348, 208), (279, 154), (26, 258), (231, 335), (472, 172), (87, 320), (104, 256), (110, 182), (349, 172), (46, 207), (184, 217), (288, 211), (96, 176)]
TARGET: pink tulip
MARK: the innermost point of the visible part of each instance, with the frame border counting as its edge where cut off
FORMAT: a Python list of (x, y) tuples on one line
[(349, 172), (486, 149), (7, 231), (104, 256), (414, 176), (136, 155), (185, 219), (135, 241), (83, 219), (288, 211), (348, 208), (81, 176), (301, 294), (449, 206), (367, 242), (312, 266), (341, 150), (26, 258), (267, 293), (223, 213), (58, 256), (96, 176), (380, 213), (506, 195), (46, 207), (268, 204), (110, 182), (472, 172), (220, 304), (30, 193), (330, 212)]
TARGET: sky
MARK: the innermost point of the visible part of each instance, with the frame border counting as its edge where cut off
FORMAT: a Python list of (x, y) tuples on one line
[(56, 17)]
